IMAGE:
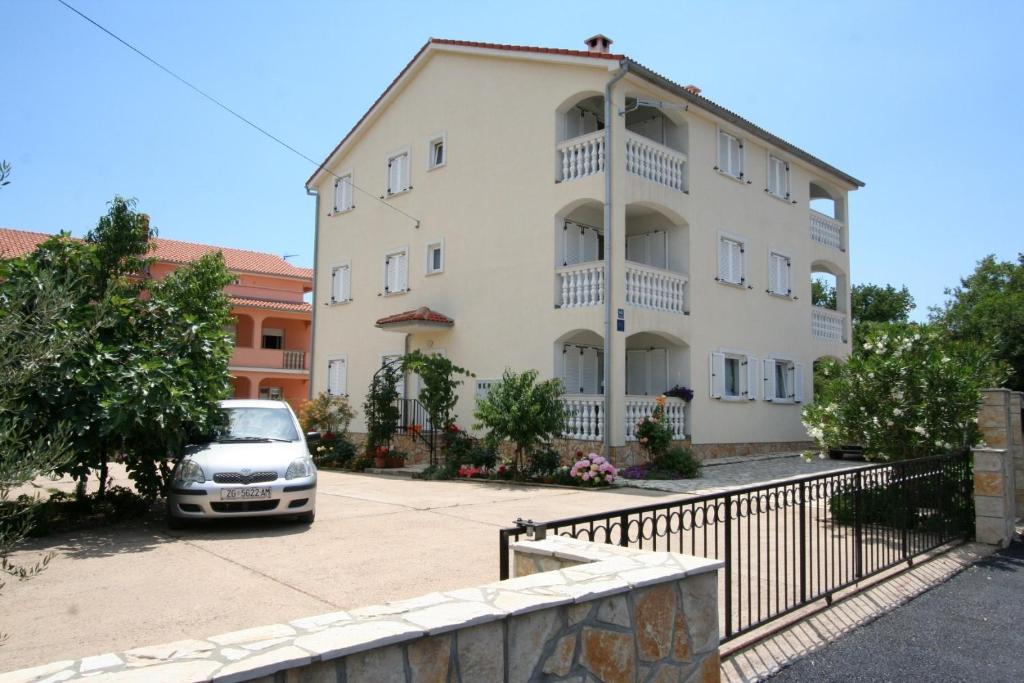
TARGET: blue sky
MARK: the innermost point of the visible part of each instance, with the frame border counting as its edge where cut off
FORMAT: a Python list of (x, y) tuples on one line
[(922, 100)]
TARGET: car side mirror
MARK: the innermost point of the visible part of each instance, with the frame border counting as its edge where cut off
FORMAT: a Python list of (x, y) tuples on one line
[(312, 436)]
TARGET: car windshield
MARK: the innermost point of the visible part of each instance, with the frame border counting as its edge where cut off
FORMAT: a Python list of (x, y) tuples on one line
[(258, 424)]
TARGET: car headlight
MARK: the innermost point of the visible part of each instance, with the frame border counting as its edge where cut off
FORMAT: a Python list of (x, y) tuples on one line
[(189, 472), (300, 467)]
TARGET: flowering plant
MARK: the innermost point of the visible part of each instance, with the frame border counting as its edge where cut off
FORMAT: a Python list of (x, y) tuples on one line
[(677, 391), (653, 432), (415, 429), (593, 470)]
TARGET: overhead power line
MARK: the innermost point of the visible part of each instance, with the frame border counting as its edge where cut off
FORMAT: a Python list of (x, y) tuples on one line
[(231, 111)]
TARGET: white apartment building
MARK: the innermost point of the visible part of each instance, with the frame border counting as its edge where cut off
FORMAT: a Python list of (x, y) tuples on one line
[(525, 216)]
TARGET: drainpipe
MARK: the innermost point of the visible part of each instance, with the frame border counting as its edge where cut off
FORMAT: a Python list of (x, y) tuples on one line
[(608, 331), (312, 323)]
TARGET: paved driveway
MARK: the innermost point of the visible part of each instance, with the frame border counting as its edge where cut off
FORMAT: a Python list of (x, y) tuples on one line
[(375, 539)]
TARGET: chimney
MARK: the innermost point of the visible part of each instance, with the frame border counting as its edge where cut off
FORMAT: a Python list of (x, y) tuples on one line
[(692, 89), (600, 44)]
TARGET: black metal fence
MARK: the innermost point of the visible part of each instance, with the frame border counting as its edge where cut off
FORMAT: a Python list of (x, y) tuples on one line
[(790, 543), (414, 419)]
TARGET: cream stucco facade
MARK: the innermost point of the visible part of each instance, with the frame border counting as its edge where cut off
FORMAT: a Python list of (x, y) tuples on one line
[(518, 181)]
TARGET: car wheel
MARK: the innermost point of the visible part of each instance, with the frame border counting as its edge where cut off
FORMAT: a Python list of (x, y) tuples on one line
[(306, 517)]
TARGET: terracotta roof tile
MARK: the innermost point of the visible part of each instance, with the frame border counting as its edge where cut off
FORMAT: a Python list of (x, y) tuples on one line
[(421, 314), (529, 48), (14, 243), (299, 307)]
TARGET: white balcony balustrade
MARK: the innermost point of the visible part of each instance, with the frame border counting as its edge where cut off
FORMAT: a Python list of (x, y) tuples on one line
[(638, 408), (655, 288), (581, 156), (581, 284), (584, 417), (828, 325), (826, 230), (656, 162)]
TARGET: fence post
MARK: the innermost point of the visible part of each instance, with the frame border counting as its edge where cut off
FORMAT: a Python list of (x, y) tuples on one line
[(728, 565), (858, 539), (624, 530), (503, 554), (994, 505), (803, 542)]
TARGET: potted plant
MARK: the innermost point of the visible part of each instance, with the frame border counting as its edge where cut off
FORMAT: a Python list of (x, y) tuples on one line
[(395, 458), (380, 456)]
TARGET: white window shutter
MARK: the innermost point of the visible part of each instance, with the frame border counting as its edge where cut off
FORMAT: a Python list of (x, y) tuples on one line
[(798, 382), (724, 262), (657, 249), (337, 377), (636, 373), (337, 195), (658, 368), (588, 371), (336, 284), (751, 378), (723, 152), (769, 379), (787, 273), (735, 262), (636, 249), (402, 269), (571, 362), (346, 283), (773, 273), (389, 274), (590, 244), (735, 158), (717, 375)]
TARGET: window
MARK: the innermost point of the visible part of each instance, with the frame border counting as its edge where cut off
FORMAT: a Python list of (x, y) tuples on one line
[(783, 381), (396, 272), (733, 376), (581, 244), (341, 284), (271, 393), (730, 260), (273, 339), (646, 372), (778, 177), (582, 369), (483, 387), (437, 152), (337, 376), (398, 173), (343, 194), (435, 258), (779, 277), (730, 155)]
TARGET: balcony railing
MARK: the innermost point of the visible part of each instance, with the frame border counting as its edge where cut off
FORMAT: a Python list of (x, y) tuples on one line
[(581, 284), (656, 162), (826, 230), (581, 156), (828, 325), (269, 358), (585, 416), (655, 288), (640, 407)]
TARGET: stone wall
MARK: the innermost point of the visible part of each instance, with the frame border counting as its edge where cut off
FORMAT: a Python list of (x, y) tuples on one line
[(611, 614), (994, 505), (999, 419)]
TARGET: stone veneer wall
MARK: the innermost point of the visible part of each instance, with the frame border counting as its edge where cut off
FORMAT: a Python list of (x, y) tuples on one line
[(611, 614), (999, 419)]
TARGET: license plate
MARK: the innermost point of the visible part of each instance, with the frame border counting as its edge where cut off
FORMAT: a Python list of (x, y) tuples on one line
[(248, 493)]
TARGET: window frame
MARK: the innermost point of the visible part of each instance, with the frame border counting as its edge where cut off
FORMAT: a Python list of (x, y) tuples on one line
[(795, 394), (723, 235), (407, 153), (387, 255), (442, 138), (347, 265), (788, 295), (431, 246), (747, 376), (264, 335), (786, 176), (741, 176), (350, 174)]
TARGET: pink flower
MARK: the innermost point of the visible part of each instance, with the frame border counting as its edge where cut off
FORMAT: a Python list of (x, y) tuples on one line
[(586, 476)]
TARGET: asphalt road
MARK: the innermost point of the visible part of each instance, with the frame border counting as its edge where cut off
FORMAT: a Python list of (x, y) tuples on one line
[(968, 629)]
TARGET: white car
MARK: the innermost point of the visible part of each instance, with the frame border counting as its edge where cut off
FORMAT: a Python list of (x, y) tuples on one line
[(257, 466)]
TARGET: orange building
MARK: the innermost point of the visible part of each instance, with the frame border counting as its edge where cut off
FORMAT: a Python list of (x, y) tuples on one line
[(272, 319)]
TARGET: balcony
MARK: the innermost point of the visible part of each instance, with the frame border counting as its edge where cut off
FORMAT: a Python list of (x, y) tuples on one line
[(826, 230), (277, 359), (584, 155), (828, 325), (657, 289), (585, 416)]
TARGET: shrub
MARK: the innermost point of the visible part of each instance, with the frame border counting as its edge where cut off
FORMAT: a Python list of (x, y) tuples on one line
[(326, 413), (334, 450), (679, 461), (654, 432), (381, 408), (908, 392), (523, 411), (543, 462), (440, 380)]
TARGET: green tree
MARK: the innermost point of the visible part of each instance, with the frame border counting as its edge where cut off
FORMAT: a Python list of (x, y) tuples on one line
[(908, 392), (878, 304), (523, 411), (381, 409), (151, 368), (5, 173), (988, 306), (823, 294), (440, 382)]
